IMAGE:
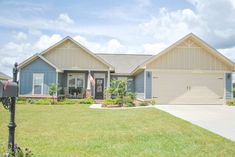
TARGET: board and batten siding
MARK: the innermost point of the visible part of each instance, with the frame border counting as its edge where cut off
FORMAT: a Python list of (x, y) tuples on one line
[(229, 86), (189, 56), (139, 85), (26, 76), (148, 89), (68, 56)]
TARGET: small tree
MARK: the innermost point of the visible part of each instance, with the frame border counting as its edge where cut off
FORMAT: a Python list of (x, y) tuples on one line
[(118, 88), (53, 88)]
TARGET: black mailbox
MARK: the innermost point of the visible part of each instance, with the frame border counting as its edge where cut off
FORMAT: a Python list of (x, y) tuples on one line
[(8, 89)]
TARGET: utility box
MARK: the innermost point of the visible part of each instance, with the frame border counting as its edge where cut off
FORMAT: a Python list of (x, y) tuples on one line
[(8, 89)]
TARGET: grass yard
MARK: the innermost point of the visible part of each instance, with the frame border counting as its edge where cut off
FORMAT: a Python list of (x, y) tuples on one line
[(76, 130)]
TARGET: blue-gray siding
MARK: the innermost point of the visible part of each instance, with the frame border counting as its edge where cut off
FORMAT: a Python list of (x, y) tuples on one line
[(229, 89), (37, 66), (139, 83), (130, 84), (148, 93)]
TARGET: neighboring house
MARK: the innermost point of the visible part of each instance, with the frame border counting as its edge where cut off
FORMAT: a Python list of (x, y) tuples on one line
[(4, 77), (187, 72)]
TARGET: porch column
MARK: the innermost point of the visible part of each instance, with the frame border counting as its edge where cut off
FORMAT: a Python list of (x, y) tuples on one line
[(57, 83), (107, 95), (108, 79), (88, 89)]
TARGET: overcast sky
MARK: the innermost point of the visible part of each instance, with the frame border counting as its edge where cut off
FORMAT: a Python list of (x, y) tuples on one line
[(112, 26)]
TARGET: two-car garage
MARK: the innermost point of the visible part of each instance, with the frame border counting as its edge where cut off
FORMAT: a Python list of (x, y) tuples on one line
[(188, 72), (188, 87)]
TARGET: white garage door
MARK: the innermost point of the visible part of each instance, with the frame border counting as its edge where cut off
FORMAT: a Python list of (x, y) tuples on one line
[(188, 88)]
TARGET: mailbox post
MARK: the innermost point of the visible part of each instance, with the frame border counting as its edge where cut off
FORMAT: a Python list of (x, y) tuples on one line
[(8, 94)]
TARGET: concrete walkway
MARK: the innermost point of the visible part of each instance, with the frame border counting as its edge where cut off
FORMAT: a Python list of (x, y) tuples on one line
[(98, 106), (219, 119)]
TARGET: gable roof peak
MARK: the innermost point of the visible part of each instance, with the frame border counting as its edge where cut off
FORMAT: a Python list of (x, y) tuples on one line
[(81, 46), (198, 40)]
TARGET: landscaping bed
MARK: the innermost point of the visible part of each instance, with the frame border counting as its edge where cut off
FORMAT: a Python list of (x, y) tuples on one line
[(118, 96), (113, 103), (52, 101)]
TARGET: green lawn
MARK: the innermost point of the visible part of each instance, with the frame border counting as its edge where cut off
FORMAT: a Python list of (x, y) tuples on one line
[(76, 130)]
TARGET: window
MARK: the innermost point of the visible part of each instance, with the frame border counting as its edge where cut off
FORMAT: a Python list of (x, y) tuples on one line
[(38, 79), (76, 84)]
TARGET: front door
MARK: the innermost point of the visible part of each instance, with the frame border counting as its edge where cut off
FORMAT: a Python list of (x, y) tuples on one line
[(99, 88)]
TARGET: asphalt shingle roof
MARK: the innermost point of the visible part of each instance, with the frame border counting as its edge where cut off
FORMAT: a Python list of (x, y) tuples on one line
[(124, 63)]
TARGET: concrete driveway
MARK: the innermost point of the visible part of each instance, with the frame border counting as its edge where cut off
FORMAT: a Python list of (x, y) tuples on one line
[(219, 119)]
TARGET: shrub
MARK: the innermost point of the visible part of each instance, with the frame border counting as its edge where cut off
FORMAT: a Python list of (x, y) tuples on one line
[(118, 90), (132, 95), (20, 152), (230, 102), (30, 101), (144, 103), (21, 100), (67, 102), (87, 100), (45, 101), (108, 102), (130, 104), (127, 100), (152, 102), (118, 101)]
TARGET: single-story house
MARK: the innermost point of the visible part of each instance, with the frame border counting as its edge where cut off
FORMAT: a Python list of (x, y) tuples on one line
[(187, 72), (4, 77)]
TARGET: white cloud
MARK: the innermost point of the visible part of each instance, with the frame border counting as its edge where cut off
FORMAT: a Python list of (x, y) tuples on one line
[(169, 26), (229, 52), (35, 32), (144, 3), (111, 46), (13, 52), (213, 21), (46, 41), (93, 46), (21, 36), (154, 48), (18, 51), (61, 23), (64, 17)]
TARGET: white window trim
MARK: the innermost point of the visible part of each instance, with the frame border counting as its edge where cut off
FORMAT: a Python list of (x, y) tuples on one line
[(76, 75), (41, 84)]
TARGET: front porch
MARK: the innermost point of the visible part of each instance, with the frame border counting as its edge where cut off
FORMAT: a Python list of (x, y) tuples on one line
[(83, 83)]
